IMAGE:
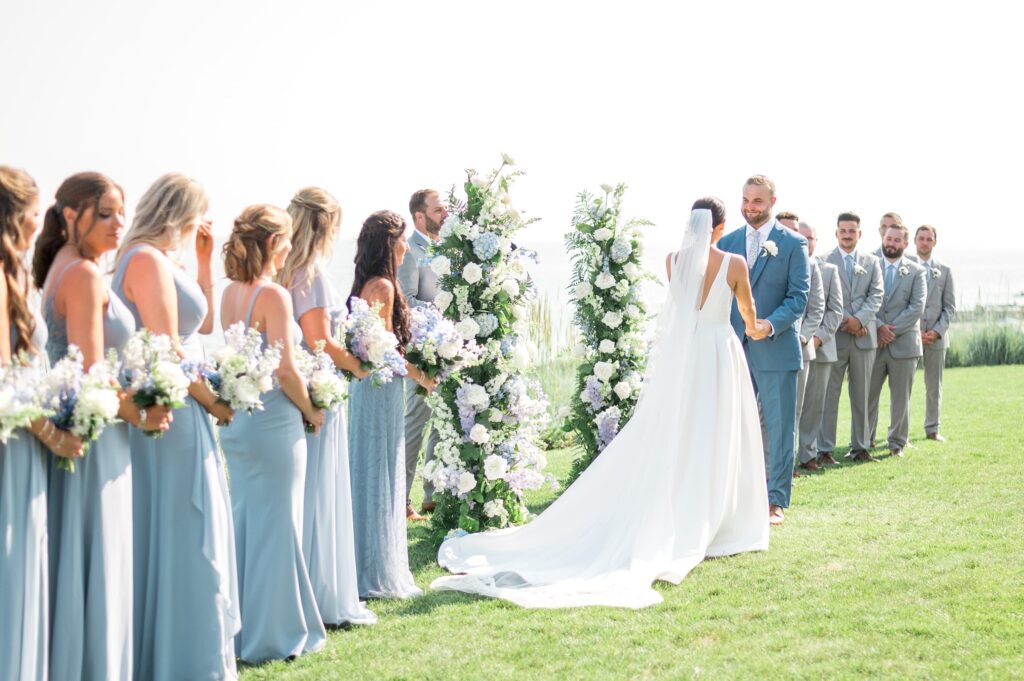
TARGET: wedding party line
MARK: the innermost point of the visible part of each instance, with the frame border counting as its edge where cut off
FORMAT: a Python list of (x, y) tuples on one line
[(167, 511)]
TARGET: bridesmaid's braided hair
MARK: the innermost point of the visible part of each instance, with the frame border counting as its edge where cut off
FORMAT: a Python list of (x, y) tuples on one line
[(375, 257), (17, 191)]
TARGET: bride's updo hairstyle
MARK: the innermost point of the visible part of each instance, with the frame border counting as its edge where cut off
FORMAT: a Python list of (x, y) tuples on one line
[(246, 251), (714, 205)]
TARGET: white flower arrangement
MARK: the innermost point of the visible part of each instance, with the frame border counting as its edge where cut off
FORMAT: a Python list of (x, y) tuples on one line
[(368, 338), (327, 388), (610, 314), (21, 396), (484, 410), (241, 370), (154, 373), (771, 248)]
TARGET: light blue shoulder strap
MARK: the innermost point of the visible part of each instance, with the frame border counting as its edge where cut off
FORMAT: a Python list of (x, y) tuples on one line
[(252, 304)]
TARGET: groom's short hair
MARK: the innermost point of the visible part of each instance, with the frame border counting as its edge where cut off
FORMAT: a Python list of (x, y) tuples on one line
[(761, 181), (849, 216)]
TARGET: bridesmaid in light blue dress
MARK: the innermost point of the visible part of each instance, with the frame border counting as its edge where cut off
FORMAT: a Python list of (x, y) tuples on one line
[(89, 514), (266, 453), (376, 436), (186, 591), (24, 551), (328, 540)]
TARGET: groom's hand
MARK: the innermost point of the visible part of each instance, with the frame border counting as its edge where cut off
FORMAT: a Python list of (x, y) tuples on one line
[(760, 331)]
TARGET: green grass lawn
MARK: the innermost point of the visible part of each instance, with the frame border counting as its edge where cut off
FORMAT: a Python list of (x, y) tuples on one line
[(906, 568)]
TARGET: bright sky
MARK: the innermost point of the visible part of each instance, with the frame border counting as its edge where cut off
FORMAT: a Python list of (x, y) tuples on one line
[(871, 106)]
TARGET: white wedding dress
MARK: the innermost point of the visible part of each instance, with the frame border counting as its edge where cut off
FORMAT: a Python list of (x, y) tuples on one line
[(684, 480)]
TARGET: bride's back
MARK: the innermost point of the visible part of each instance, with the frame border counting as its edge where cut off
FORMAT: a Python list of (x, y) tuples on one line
[(717, 301)]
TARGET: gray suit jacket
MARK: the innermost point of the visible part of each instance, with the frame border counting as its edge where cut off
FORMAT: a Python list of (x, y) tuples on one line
[(833, 291), (810, 320), (418, 281), (940, 306), (862, 297), (903, 306)]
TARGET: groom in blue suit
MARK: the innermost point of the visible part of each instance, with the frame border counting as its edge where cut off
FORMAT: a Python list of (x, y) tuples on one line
[(780, 280)]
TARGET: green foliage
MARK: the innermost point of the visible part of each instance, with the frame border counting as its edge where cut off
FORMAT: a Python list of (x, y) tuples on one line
[(988, 345)]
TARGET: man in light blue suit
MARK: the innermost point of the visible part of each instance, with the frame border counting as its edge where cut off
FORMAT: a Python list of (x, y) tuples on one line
[(780, 281)]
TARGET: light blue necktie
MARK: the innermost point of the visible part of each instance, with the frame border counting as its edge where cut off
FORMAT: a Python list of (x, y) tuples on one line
[(890, 275), (849, 268)]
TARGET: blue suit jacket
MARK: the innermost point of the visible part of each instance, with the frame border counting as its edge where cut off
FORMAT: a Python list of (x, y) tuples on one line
[(780, 284)]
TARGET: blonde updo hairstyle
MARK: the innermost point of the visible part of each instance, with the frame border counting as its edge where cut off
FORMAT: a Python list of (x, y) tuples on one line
[(247, 251), (316, 216), (166, 213), (17, 192)]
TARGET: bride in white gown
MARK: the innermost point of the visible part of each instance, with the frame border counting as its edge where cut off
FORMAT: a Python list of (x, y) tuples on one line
[(682, 481)]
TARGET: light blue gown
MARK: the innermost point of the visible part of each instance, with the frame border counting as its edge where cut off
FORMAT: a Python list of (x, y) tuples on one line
[(90, 521), (24, 551), (266, 455), (186, 585), (376, 445), (328, 540)]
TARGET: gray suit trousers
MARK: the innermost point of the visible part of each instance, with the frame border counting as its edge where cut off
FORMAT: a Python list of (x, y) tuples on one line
[(900, 373), (859, 362), (810, 417), (934, 362), (417, 413)]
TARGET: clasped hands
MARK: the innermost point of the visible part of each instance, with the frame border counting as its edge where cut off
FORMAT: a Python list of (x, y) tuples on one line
[(852, 326), (929, 337), (886, 335), (761, 330)]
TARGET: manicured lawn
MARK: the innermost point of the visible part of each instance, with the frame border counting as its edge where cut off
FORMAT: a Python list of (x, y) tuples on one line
[(906, 568)]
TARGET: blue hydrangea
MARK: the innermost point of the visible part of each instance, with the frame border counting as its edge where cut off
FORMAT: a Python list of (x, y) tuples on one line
[(488, 324), (486, 246), (621, 250)]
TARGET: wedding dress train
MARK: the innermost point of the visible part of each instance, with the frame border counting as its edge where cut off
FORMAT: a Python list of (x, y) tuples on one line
[(682, 481)]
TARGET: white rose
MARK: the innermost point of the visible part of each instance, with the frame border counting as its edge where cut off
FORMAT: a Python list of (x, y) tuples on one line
[(612, 319), (495, 467), (633, 311), (607, 188), (472, 273), (467, 481), (605, 280), (580, 350), (442, 300), (449, 350), (583, 289), (496, 416), (771, 248), (479, 434), (247, 392), (476, 396), (441, 266), (603, 234), (223, 354), (631, 270), (604, 371), (623, 390), (607, 346), (511, 287), (266, 383), (468, 328)]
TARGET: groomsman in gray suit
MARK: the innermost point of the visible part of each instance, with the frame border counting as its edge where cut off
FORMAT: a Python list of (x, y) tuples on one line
[(899, 336), (939, 309), (818, 366), (888, 220), (419, 285), (861, 281), (810, 320)]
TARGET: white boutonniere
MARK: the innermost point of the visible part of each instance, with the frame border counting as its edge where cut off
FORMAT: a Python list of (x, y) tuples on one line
[(857, 269), (903, 270), (771, 248), (936, 273)]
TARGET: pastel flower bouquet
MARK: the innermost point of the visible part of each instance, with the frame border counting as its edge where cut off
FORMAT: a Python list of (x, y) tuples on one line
[(21, 396), (366, 337), (154, 374), (437, 348), (242, 369)]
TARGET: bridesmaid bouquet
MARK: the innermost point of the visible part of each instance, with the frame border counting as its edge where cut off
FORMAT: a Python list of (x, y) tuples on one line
[(154, 373), (437, 348), (82, 402), (21, 396), (326, 386), (367, 338), (242, 370)]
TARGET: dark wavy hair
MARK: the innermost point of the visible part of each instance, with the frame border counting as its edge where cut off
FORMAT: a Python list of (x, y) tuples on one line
[(714, 205), (375, 257), (17, 191), (80, 191)]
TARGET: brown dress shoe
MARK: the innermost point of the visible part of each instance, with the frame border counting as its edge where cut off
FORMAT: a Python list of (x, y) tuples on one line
[(811, 465), (863, 455), (411, 514), (825, 459), (428, 507), (936, 437), (775, 515), (896, 451), (796, 473)]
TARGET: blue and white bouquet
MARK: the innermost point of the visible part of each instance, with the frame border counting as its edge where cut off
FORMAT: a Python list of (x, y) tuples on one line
[(367, 338), (327, 389), (21, 396), (437, 348), (153, 372), (82, 402), (242, 369)]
